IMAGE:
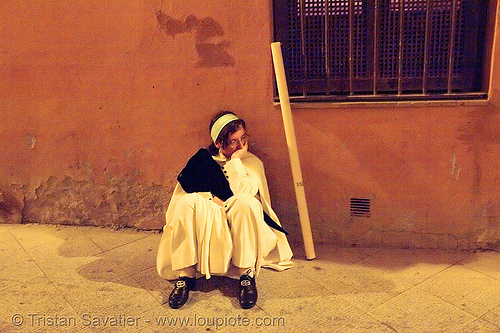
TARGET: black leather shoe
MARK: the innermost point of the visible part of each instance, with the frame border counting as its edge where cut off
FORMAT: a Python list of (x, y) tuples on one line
[(247, 294), (179, 296)]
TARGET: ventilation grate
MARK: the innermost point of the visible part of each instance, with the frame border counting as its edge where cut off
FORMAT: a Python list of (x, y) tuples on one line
[(360, 207)]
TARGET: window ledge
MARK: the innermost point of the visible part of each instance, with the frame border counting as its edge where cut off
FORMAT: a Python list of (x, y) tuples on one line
[(384, 104)]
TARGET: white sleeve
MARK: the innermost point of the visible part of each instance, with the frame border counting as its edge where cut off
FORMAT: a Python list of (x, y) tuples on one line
[(239, 179)]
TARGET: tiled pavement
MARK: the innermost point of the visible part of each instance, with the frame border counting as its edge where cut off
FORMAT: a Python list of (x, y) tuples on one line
[(87, 279)]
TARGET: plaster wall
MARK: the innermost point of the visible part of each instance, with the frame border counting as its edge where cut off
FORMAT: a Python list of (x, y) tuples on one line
[(102, 103)]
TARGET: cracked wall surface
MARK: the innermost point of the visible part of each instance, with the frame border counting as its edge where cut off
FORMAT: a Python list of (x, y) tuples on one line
[(117, 203)]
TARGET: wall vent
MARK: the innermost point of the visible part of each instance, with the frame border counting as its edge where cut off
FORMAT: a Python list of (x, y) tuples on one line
[(360, 207)]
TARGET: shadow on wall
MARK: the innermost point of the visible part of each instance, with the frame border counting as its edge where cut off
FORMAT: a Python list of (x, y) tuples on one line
[(10, 207), (211, 46)]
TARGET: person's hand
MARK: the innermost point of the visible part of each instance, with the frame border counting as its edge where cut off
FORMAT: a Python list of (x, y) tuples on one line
[(240, 152), (218, 200)]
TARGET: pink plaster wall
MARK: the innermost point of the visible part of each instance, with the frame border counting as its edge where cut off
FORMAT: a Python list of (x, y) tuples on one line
[(102, 103)]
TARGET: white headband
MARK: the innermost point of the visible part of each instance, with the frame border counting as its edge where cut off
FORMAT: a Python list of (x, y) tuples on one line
[(220, 124)]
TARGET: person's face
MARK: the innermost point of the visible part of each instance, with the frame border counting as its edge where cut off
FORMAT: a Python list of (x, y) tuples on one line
[(237, 140)]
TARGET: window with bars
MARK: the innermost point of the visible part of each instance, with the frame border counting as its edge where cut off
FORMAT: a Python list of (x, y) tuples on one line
[(382, 49)]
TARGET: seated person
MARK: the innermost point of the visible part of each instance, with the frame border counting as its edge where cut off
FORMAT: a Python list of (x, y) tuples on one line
[(207, 235)]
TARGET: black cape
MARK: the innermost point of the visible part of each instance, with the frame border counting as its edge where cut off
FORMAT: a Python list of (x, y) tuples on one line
[(203, 174)]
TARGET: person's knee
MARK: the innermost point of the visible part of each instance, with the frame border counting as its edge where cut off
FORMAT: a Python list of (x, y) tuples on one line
[(246, 204), (245, 209)]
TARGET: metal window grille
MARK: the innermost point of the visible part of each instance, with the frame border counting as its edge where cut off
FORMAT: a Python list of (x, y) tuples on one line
[(382, 49)]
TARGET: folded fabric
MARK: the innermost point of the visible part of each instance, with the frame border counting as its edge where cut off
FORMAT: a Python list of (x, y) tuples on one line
[(203, 174)]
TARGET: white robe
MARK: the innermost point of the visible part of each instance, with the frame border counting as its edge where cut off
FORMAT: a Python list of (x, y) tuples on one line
[(199, 232)]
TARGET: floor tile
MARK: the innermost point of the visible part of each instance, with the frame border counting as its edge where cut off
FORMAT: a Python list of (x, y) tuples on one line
[(57, 266), (493, 316), (107, 298), (104, 273), (8, 243), (107, 238), (32, 235), (17, 266), (417, 311), (158, 287), (327, 313), (18, 270), (465, 288), (486, 262), (413, 265), (122, 262), (480, 326), (334, 254), (34, 300), (304, 304), (296, 282)]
